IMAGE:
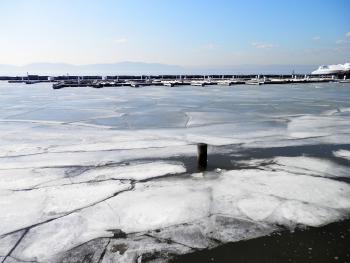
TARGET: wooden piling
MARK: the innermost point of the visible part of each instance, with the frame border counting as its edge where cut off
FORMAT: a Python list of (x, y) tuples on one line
[(202, 157)]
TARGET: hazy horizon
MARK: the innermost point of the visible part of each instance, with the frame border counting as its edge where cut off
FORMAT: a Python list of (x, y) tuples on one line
[(141, 68)]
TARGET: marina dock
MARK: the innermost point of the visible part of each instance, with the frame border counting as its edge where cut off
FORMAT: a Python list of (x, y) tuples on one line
[(194, 81), (60, 82)]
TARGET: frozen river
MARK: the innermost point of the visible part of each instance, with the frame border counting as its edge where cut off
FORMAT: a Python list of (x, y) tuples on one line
[(109, 175)]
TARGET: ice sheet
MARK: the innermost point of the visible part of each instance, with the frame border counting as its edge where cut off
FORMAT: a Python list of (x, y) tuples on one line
[(8, 242), (20, 179), (22, 209), (69, 159), (317, 126), (138, 171), (76, 165), (131, 171), (283, 185), (263, 198)]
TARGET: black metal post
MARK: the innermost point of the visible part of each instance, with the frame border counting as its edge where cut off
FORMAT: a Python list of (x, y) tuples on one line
[(202, 157)]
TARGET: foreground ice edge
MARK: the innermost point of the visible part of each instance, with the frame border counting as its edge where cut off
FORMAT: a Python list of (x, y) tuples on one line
[(237, 198), (222, 203)]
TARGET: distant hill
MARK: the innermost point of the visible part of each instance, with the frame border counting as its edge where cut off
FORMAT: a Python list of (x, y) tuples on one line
[(138, 68), (255, 69), (120, 68)]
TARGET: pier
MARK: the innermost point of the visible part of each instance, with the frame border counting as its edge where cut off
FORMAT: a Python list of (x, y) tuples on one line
[(190, 80), (59, 82)]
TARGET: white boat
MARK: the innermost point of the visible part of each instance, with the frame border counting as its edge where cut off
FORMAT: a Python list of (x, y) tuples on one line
[(200, 83), (332, 69), (347, 67), (255, 82), (168, 83)]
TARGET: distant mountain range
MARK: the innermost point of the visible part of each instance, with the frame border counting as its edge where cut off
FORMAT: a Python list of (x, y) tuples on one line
[(91, 69), (141, 68), (255, 69)]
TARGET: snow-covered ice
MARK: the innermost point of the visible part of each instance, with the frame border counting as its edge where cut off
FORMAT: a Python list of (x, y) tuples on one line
[(110, 172), (22, 209), (9, 241), (265, 198)]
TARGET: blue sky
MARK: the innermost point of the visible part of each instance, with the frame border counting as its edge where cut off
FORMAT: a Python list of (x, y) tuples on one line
[(181, 32)]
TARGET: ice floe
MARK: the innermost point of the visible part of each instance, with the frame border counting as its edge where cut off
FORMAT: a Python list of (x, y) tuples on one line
[(28, 178), (311, 166), (342, 154), (138, 171), (69, 159), (318, 126), (132, 171), (259, 198), (284, 185), (7, 243), (22, 209)]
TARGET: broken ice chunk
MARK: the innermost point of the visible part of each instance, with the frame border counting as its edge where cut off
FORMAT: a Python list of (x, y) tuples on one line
[(311, 166), (136, 171), (342, 154), (8, 242), (294, 212), (21, 209)]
